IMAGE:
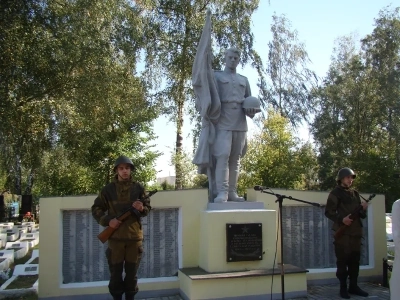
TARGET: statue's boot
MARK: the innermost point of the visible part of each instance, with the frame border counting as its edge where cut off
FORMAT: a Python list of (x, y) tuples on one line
[(221, 180), (233, 179)]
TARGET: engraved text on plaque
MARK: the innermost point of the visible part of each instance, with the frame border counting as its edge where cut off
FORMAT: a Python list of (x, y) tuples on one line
[(244, 242)]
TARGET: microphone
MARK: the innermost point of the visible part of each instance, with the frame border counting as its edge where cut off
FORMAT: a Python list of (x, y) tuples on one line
[(260, 188)]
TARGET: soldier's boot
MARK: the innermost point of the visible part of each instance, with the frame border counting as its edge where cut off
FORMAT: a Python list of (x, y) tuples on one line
[(354, 266), (116, 285), (356, 290), (221, 179), (233, 179), (131, 287), (343, 290)]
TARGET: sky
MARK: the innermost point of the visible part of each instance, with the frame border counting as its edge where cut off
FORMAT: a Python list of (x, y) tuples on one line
[(318, 23)]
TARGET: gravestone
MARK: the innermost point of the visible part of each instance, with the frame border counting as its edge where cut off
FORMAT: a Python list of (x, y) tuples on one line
[(6, 259), (7, 225), (26, 269), (31, 238), (3, 239), (31, 224), (4, 263), (23, 248), (83, 258), (8, 254), (13, 234)]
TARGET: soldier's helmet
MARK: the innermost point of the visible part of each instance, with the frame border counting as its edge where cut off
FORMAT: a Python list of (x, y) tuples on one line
[(344, 172), (123, 160), (252, 102)]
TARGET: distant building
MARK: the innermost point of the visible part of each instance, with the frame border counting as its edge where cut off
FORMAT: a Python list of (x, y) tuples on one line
[(168, 179)]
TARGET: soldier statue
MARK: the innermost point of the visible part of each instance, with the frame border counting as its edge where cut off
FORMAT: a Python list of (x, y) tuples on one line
[(223, 100)]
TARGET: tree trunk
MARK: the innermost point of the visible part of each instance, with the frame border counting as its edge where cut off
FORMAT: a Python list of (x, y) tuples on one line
[(178, 148), (29, 184), (180, 101), (17, 175)]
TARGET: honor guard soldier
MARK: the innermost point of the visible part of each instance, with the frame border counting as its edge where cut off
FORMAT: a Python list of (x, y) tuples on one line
[(342, 201), (125, 245)]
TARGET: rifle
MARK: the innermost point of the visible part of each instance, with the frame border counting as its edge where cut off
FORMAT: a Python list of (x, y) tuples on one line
[(354, 216), (108, 231)]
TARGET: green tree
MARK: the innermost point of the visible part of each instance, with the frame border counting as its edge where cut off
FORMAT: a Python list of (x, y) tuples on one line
[(382, 53), (276, 158), (188, 169), (347, 120), (288, 81), (357, 123), (68, 80), (200, 181)]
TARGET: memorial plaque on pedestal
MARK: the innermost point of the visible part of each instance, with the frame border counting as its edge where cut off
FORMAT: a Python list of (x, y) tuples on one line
[(244, 242)]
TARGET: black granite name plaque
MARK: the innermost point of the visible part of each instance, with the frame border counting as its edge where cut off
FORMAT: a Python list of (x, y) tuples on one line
[(244, 242)]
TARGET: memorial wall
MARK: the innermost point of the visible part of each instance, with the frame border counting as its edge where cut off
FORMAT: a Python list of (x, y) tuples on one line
[(308, 243), (83, 257), (76, 257), (308, 238)]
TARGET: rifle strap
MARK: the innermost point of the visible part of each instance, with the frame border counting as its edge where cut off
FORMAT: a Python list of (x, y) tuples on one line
[(362, 197)]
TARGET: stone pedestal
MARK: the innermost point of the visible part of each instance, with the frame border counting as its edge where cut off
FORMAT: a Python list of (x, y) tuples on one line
[(219, 275), (213, 240)]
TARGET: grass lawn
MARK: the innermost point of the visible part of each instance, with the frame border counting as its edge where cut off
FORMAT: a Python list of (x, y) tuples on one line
[(22, 282), (2, 281), (21, 261), (35, 261), (30, 296)]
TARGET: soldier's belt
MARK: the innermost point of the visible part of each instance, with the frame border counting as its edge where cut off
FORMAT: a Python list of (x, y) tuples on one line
[(232, 105)]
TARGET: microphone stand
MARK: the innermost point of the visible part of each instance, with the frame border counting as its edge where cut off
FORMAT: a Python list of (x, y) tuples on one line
[(280, 201)]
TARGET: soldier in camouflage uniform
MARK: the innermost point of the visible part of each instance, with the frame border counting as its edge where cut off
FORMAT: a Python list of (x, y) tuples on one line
[(125, 245), (342, 201)]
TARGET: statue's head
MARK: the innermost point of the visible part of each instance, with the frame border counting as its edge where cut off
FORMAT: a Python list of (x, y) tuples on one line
[(232, 58)]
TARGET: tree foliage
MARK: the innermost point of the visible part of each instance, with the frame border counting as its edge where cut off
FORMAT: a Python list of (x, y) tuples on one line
[(275, 158), (72, 101), (68, 84), (358, 122), (287, 81)]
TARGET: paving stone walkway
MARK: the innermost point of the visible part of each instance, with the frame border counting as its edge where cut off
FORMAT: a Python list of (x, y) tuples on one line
[(331, 292), (326, 292)]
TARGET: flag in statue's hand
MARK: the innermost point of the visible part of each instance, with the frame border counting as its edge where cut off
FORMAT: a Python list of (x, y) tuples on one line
[(207, 100)]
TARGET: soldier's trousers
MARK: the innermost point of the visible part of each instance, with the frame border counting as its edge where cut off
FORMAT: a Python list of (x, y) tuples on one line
[(119, 255), (348, 254)]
